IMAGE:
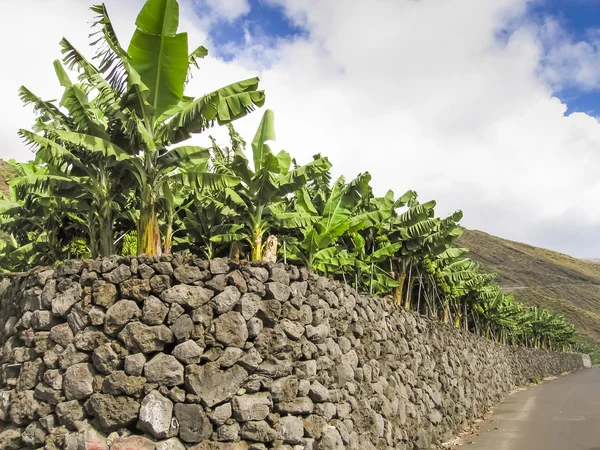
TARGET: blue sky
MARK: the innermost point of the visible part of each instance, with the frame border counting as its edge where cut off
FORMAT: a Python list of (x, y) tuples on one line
[(578, 18)]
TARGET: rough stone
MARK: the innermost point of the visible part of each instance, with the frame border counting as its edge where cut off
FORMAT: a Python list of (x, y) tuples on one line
[(68, 413), (188, 352), (118, 275), (213, 385), (104, 294), (134, 364), (108, 357), (112, 413), (291, 429), (118, 383), (164, 370), (64, 301), (187, 274), (187, 296), (194, 425), (154, 311), (119, 314), (138, 337), (78, 382), (231, 329), (135, 289), (89, 339), (226, 300), (251, 407), (155, 415)]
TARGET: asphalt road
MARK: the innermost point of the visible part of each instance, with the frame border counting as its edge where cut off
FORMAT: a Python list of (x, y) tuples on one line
[(562, 414)]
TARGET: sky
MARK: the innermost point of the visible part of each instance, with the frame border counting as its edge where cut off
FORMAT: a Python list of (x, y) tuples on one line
[(488, 106)]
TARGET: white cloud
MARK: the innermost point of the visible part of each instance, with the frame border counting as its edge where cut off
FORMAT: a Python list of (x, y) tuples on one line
[(421, 94)]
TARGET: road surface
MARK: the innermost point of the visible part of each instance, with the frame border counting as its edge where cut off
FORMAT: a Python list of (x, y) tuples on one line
[(562, 414)]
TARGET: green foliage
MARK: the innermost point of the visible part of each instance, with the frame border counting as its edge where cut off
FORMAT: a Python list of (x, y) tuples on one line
[(107, 164)]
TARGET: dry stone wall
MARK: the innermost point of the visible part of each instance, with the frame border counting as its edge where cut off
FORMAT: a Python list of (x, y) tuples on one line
[(174, 353)]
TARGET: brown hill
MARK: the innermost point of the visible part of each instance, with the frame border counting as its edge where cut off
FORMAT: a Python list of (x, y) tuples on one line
[(537, 276)]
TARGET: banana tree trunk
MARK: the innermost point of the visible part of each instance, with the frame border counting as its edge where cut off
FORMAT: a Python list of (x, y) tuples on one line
[(257, 246), (148, 231), (107, 247), (168, 241), (398, 293), (270, 251)]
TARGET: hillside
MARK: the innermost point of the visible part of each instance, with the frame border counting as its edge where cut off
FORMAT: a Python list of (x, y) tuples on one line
[(541, 277)]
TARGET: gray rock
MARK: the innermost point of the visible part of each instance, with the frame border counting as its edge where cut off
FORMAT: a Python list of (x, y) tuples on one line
[(435, 417), (31, 374), (226, 300), (78, 317), (119, 314), (136, 289), (278, 291), (194, 425), (24, 407), (89, 338), (10, 438), (34, 435), (5, 402), (284, 389), (175, 312), (69, 267), (108, 357), (53, 378), (230, 356), (88, 277), (164, 370), (164, 268), (112, 413), (71, 356), (249, 305), (314, 426), (64, 301), (78, 382), (68, 413), (134, 364), (155, 415), (170, 444), (251, 407), (222, 413), (109, 263), (138, 337), (218, 266), (96, 316), (154, 311), (48, 395), (317, 334), (104, 294), (298, 406), (187, 274), (318, 393), (293, 330), (118, 275), (251, 360), (183, 328), (118, 383), (260, 273), (258, 432), (213, 385), (42, 320), (187, 296), (160, 283), (291, 429), (231, 329), (145, 271), (228, 433), (188, 352), (255, 326), (269, 312), (331, 440)]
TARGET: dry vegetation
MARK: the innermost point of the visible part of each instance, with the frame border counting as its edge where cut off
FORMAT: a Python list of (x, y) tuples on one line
[(5, 174), (537, 276)]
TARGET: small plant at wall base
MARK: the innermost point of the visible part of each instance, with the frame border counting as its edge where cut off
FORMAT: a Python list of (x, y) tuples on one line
[(109, 166)]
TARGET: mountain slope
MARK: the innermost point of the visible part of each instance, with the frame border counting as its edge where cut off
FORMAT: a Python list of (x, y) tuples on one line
[(536, 276)]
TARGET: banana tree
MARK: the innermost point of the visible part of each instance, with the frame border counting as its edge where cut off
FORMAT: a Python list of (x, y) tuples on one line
[(261, 200), (141, 110)]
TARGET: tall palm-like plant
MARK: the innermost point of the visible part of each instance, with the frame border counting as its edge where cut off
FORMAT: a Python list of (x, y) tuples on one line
[(139, 110)]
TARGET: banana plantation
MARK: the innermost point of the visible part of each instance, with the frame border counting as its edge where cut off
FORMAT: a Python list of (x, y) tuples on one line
[(112, 174)]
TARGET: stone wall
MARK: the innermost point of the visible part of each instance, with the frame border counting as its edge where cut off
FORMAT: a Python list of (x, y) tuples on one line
[(176, 353)]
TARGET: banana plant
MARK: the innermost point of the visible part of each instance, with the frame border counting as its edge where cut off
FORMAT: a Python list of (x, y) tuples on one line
[(139, 110)]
